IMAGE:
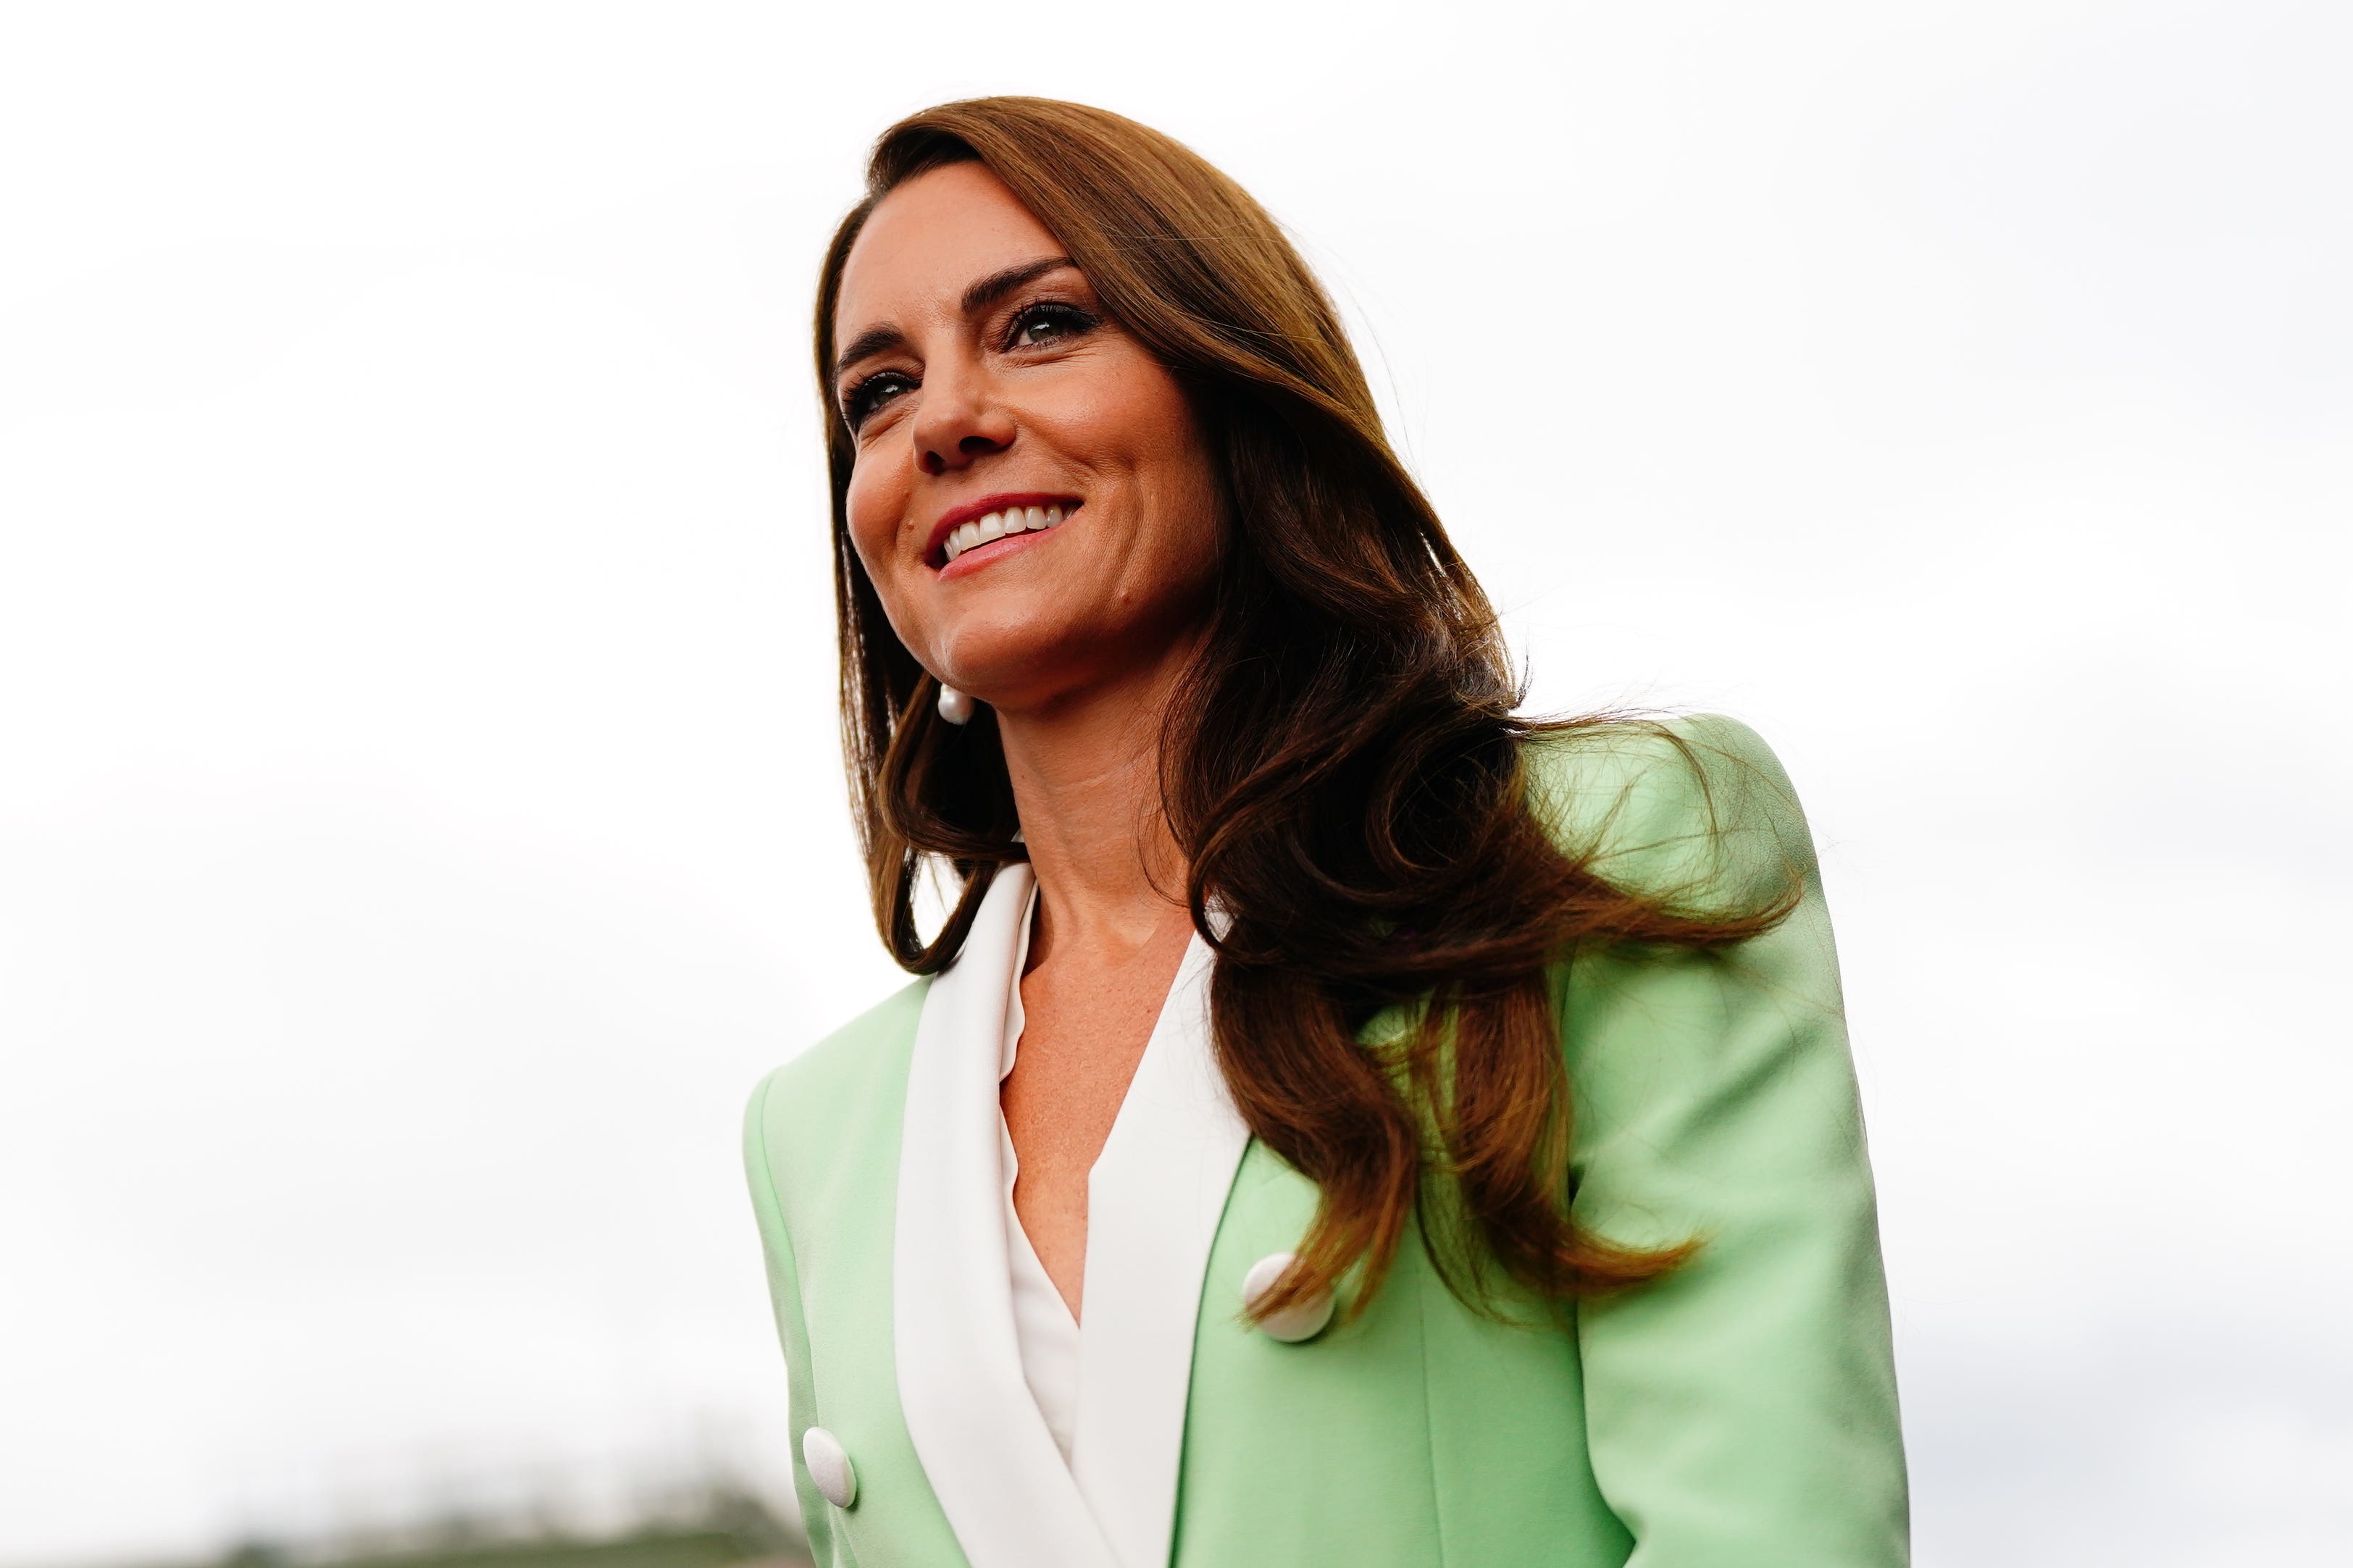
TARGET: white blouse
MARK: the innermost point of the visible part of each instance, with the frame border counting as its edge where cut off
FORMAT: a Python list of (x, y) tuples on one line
[(1045, 1333), (975, 1390)]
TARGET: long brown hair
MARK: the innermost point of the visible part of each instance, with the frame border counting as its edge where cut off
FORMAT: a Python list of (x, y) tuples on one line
[(1343, 767)]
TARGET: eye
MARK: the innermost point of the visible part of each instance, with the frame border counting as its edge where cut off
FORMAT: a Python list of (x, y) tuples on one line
[(1047, 322), (862, 400)]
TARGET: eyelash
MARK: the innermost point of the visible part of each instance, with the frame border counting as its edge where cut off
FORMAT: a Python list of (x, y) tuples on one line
[(857, 405), (1072, 319), (855, 408)]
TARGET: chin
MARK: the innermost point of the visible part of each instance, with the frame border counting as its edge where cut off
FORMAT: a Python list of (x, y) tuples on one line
[(1026, 665)]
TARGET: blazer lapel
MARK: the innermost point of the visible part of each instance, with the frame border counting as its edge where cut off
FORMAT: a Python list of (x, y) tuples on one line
[(990, 1460), (1154, 1203)]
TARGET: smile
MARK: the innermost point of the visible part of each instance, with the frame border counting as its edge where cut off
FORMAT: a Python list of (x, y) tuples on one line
[(986, 522), (996, 525)]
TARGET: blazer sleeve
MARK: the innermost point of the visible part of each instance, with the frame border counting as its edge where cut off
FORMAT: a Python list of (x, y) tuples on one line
[(1741, 1410), (785, 1299)]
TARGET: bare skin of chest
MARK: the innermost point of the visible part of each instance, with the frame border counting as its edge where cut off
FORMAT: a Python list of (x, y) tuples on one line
[(1088, 1011)]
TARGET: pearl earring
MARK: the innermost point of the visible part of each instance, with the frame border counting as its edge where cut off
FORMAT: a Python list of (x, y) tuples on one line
[(955, 706)]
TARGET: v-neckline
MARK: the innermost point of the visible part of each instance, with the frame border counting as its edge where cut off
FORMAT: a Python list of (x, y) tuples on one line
[(1155, 1194)]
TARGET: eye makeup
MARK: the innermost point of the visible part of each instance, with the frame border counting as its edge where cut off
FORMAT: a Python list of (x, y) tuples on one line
[(1039, 324)]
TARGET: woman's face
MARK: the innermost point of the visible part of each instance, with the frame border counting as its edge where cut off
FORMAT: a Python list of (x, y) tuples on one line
[(982, 381)]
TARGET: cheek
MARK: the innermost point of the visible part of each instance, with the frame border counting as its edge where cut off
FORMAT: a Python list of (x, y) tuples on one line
[(873, 506), (1173, 555), (1142, 425), (1183, 474)]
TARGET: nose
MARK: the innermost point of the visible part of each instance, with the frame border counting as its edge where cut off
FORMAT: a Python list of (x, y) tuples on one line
[(960, 420)]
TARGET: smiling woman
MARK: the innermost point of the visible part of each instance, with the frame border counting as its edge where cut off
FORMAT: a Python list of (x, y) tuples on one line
[(1340, 1121), (984, 376)]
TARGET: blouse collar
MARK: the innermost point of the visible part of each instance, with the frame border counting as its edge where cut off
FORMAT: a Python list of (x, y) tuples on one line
[(1155, 1198)]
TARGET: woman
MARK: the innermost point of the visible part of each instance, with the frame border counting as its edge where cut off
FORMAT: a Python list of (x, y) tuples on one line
[(1338, 1121)]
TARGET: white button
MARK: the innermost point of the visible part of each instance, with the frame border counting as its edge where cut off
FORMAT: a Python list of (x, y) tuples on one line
[(1292, 1324), (829, 1467)]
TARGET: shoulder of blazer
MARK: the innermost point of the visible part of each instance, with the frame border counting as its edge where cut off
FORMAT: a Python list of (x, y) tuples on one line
[(823, 1116), (1695, 811)]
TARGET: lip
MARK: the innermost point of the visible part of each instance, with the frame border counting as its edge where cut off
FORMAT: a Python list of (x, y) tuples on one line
[(934, 552)]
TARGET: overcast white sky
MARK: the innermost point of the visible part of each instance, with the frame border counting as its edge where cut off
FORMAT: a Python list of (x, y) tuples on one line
[(420, 824)]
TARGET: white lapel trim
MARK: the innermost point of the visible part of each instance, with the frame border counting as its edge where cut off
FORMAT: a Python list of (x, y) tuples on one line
[(1153, 1201), (985, 1448)]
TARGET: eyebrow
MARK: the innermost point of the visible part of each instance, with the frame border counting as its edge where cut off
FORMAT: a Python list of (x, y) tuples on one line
[(998, 285), (978, 298)]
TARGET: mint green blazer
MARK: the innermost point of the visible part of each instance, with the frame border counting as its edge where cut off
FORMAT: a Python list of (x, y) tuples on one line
[(1740, 1412)]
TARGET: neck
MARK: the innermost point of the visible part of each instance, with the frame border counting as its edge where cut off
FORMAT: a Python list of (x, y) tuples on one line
[(1086, 769)]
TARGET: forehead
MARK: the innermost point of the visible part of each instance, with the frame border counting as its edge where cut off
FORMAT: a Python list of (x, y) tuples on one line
[(929, 238)]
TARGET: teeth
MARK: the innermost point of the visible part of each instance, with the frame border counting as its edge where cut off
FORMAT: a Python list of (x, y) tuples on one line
[(998, 525)]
